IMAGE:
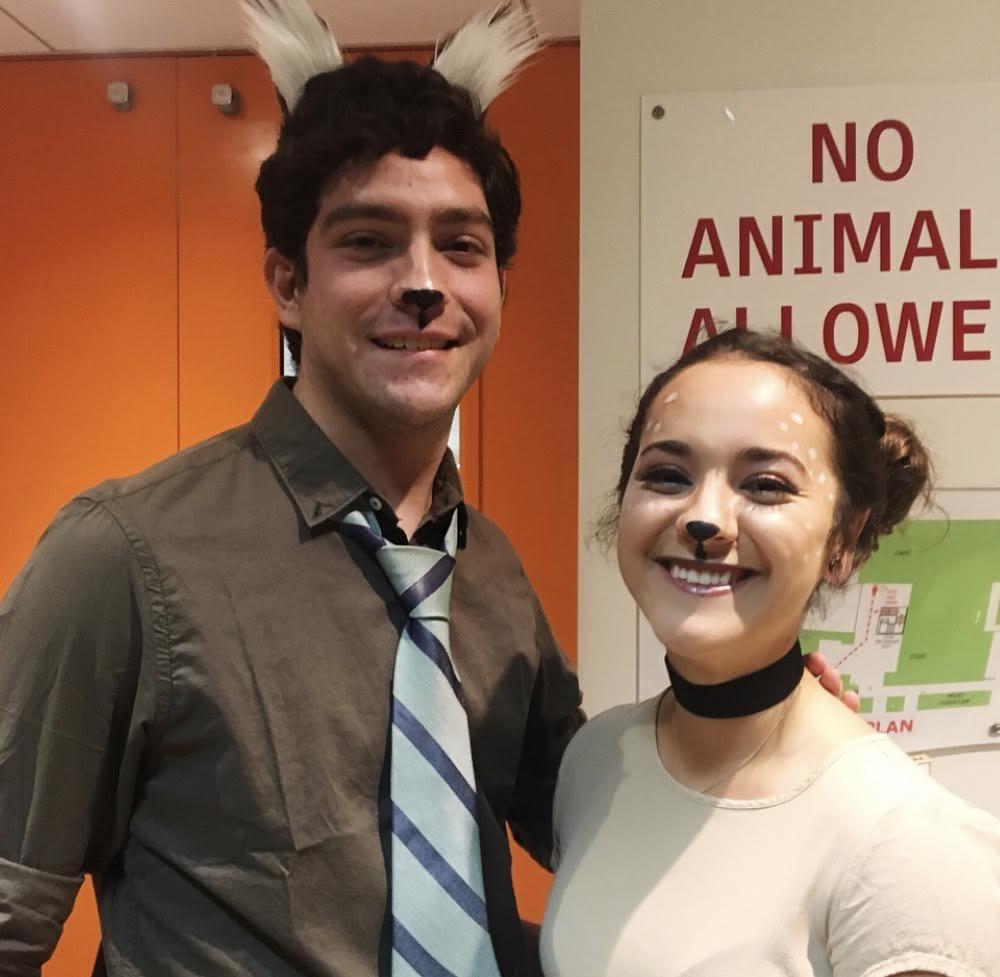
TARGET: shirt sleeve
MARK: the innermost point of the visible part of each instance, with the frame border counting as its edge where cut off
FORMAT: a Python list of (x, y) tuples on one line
[(923, 894), (554, 716), (71, 714)]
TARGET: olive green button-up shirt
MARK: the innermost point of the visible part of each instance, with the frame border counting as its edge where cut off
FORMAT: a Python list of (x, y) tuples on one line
[(195, 673)]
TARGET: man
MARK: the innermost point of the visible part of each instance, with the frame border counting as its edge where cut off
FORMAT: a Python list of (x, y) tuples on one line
[(199, 664)]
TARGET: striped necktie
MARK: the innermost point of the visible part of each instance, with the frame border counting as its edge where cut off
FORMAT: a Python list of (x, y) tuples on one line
[(439, 922)]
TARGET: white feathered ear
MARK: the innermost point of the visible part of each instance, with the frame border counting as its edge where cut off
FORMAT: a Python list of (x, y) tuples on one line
[(485, 55), (293, 42)]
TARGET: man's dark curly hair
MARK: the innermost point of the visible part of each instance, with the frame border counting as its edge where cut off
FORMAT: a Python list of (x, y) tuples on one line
[(361, 112)]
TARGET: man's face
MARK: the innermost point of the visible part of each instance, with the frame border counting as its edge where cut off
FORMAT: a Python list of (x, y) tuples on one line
[(378, 345)]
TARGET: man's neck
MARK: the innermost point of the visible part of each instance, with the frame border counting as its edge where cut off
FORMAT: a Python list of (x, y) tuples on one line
[(399, 463)]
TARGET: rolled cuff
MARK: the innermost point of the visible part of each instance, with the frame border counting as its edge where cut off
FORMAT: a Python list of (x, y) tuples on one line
[(33, 907)]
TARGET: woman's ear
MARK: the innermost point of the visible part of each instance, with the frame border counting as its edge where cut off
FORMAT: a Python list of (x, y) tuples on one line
[(841, 563), (282, 282)]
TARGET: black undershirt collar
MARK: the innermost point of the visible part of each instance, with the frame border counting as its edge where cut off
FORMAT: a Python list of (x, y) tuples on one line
[(741, 696)]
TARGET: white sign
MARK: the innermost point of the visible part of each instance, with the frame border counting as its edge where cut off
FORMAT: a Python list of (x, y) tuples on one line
[(863, 222)]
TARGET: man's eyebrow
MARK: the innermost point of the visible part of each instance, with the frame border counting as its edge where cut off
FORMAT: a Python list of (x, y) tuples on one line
[(360, 211), (463, 215)]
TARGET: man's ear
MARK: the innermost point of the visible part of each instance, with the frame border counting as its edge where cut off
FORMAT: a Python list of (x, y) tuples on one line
[(503, 285), (282, 282)]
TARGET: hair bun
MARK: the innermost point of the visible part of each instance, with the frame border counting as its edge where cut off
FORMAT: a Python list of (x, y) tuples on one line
[(907, 472)]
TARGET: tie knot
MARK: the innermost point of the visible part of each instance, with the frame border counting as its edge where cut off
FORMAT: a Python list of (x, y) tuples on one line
[(420, 576)]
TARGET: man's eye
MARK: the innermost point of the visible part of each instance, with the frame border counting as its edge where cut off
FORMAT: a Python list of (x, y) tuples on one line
[(365, 242), (664, 478), (466, 246)]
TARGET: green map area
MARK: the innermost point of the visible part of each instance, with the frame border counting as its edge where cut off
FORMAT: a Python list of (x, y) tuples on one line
[(952, 569)]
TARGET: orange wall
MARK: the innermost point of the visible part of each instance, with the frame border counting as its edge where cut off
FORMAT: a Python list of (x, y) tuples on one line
[(136, 321)]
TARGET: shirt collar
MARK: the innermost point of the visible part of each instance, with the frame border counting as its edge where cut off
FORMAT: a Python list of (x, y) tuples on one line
[(319, 478)]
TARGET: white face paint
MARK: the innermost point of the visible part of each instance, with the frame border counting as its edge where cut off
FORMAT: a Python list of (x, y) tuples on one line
[(822, 478), (798, 418), (783, 425), (812, 453), (670, 398)]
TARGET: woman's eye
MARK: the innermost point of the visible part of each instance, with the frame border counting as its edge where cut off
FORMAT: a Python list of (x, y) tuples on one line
[(769, 487), (664, 478)]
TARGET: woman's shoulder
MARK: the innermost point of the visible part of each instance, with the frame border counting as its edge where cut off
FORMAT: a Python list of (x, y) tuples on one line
[(922, 884), (610, 728), (604, 746)]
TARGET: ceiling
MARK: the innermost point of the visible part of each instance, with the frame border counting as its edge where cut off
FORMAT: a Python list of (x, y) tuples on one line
[(90, 26)]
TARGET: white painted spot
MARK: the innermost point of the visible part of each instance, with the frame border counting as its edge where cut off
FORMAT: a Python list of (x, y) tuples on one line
[(670, 398), (822, 478), (812, 453), (656, 427), (798, 418), (784, 426), (795, 446)]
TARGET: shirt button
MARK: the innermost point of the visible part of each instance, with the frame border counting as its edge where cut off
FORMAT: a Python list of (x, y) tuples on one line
[(376, 503)]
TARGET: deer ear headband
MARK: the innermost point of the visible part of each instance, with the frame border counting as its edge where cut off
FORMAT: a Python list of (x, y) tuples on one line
[(483, 56)]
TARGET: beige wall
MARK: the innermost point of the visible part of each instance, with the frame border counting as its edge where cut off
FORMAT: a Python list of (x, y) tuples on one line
[(635, 47)]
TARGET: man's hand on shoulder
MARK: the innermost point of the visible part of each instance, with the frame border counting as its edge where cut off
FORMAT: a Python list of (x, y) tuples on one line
[(830, 679)]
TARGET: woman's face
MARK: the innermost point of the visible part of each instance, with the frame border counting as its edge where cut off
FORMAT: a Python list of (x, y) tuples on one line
[(734, 448)]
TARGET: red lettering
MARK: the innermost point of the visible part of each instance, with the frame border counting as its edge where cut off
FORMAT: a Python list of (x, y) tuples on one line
[(909, 322), (702, 319), (830, 327), (960, 329), (905, 155), (846, 165), (965, 259), (914, 249), (705, 228), (750, 231), (808, 222), (844, 230), (906, 725)]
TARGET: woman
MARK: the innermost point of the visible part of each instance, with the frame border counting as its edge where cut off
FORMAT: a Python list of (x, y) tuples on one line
[(744, 823)]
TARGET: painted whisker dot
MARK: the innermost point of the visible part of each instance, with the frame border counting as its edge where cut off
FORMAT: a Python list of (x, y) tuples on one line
[(812, 453), (783, 425), (670, 398), (798, 418)]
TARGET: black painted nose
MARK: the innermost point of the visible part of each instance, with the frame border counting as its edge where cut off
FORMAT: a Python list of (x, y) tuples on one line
[(701, 531), (423, 298)]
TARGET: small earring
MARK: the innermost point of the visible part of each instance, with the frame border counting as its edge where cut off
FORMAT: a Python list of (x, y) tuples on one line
[(834, 564)]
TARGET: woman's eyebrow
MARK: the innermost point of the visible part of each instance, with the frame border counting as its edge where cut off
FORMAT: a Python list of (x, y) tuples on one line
[(765, 455), (670, 447)]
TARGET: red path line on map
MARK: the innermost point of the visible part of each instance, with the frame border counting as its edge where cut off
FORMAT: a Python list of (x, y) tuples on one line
[(868, 627)]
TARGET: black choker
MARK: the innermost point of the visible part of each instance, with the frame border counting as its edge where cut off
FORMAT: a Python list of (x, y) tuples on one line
[(741, 696)]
